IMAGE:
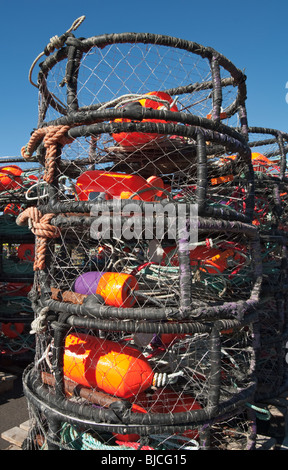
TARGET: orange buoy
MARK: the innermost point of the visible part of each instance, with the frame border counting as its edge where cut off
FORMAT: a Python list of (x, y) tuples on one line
[(115, 288), (109, 366), (211, 260), (128, 139), (222, 115), (118, 185), (10, 177), (261, 163), (12, 330)]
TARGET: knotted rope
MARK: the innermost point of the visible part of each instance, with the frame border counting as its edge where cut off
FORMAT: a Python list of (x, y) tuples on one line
[(51, 136), (42, 229), (56, 42), (39, 324)]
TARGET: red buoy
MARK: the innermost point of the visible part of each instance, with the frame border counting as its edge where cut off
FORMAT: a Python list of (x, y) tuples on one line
[(128, 139), (118, 185), (12, 330)]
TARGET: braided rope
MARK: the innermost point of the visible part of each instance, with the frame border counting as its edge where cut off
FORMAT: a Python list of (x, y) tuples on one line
[(42, 229), (51, 136)]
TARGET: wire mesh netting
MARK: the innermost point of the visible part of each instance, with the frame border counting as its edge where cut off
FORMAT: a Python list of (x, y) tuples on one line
[(17, 192), (269, 149), (162, 386), (148, 262)]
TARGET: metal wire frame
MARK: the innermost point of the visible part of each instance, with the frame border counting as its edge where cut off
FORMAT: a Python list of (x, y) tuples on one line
[(228, 141), (92, 121), (270, 217), (231, 431), (271, 136), (186, 307), (75, 47), (117, 418)]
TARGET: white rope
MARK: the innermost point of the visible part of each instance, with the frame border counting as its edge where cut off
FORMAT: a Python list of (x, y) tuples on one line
[(55, 43), (117, 102), (39, 324)]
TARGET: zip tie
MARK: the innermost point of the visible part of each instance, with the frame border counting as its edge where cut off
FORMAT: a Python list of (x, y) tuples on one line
[(161, 379)]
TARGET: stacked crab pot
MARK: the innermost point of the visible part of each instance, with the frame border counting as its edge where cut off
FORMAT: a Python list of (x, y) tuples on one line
[(17, 185), (269, 148), (147, 262)]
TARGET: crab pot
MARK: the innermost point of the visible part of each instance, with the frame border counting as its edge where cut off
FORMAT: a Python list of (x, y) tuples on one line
[(94, 72), (17, 181), (16, 279), (147, 264), (268, 155), (269, 149), (132, 385), (176, 127)]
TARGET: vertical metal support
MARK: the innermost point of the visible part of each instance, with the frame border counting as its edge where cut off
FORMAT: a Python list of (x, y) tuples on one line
[(184, 270), (71, 77), (217, 88), (215, 370), (283, 155), (54, 427), (201, 190), (54, 424)]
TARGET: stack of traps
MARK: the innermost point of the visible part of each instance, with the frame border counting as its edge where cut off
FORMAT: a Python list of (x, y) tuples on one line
[(148, 266), (16, 265), (269, 149)]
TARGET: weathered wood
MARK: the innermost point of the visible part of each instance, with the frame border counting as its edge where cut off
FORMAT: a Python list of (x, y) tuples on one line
[(15, 436), (6, 382), (26, 425), (12, 447)]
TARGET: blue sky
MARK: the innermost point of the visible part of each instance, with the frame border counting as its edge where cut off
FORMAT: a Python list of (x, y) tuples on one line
[(252, 34)]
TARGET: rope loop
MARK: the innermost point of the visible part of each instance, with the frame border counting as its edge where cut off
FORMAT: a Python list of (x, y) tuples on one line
[(42, 229), (39, 324), (55, 43), (52, 136)]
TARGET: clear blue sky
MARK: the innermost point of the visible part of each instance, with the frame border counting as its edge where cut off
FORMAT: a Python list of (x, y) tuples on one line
[(252, 34)]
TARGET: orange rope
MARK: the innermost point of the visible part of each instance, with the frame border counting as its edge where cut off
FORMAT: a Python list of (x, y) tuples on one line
[(42, 229), (51, 136)]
